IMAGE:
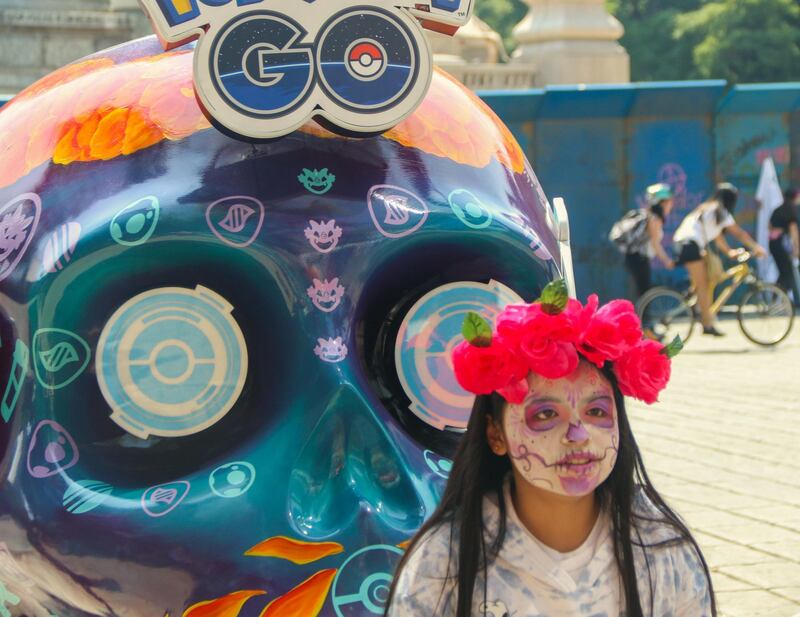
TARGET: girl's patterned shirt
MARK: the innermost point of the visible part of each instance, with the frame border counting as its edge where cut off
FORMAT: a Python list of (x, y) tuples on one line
[(525, 580)]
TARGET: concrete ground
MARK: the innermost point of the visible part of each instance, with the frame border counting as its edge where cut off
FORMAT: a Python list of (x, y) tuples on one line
[(723, 447)]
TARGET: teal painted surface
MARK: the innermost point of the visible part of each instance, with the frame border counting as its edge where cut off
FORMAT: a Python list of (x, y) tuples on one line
[(600, 146)]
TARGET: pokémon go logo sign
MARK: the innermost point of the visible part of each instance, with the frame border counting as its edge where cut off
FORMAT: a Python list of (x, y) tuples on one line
[(263, 68)]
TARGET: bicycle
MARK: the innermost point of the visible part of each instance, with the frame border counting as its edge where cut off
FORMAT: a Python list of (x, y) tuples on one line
[(765, 313)]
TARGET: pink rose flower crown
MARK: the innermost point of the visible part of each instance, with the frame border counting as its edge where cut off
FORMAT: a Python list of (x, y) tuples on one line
[(550, 336)]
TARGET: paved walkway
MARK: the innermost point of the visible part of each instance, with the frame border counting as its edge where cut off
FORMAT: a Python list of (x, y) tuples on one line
[(723, 446)]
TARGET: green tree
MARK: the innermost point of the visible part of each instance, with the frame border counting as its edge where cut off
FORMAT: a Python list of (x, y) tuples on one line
[(655, 53), (744, 40), (502, 16)]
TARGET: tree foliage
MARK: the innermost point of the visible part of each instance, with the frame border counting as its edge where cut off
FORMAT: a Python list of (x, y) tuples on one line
[(502, 16), (737, 40), (744, 40)]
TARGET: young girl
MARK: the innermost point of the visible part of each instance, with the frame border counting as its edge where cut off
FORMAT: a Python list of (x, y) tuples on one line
[(548, 510)]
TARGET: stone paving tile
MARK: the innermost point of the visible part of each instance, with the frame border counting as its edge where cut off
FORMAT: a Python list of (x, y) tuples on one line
[(755, 603), (719, 446)]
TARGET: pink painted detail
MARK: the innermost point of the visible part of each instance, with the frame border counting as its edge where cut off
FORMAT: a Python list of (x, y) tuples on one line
[(395, 211), (18, 221), (162, 499), (577, 432), (323, 236), (331, 350), (236, 220), (54, 453), (52, 450), (581, 485), (326, 295), (60, 247), (780, 155)]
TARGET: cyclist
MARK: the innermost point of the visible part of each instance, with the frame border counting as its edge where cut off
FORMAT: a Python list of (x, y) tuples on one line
[(639, 254), (707, 223), (784, 240)]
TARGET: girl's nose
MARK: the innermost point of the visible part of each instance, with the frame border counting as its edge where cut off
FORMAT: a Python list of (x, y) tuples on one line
[(576, 433)]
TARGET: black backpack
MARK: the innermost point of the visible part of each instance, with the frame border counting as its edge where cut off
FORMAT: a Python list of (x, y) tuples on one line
[(629, 234)]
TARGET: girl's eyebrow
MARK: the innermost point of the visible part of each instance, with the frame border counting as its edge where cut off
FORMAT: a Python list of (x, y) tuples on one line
[(597, 396), (543, 399)]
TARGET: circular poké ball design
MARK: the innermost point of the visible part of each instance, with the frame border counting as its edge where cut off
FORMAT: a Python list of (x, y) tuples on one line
[(362, 584), (425, 341), (171, 362), (366, 59)]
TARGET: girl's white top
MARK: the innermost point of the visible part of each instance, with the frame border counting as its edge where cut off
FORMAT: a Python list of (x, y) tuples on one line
[(529, 579), (702, 227)]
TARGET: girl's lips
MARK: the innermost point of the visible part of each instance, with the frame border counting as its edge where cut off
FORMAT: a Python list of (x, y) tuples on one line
[(579, 458), (574, 469), (578, 464)]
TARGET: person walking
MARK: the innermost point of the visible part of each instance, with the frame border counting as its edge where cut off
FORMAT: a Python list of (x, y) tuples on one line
[(784, 241), (710, 222), (640, 233)]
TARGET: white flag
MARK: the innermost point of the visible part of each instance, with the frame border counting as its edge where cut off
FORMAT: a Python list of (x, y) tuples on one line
[(770, 197)]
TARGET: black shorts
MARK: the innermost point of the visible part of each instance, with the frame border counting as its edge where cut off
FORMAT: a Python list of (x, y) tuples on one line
[(688, 252)]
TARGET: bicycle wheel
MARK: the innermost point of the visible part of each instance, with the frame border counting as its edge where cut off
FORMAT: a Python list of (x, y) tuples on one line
[(665, 315), (766, 314)]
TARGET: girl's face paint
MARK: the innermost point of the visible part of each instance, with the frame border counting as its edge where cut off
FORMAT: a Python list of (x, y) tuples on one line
[(564, 436)]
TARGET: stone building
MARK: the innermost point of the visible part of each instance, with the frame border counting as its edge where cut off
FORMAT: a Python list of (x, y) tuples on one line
[(37, 36), (560, 42)]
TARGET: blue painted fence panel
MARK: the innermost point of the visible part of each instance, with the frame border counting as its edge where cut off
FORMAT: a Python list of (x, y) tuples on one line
[(599, 147)]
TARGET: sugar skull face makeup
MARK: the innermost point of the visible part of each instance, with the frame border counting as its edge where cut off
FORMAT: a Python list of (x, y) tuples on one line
[(564, 437)]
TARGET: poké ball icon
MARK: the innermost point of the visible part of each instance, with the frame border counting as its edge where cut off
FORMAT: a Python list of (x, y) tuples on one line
[(317, 446), (366, 59)]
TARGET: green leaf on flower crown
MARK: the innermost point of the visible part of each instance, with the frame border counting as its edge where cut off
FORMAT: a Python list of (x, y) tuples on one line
[(674, 348), (554, 297), (476, 330)]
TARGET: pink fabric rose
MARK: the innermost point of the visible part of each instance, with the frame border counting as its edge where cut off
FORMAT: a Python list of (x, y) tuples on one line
[(643, 371), (545, 342), (482, 370), (612, 330), (551, 359), (515, 392)]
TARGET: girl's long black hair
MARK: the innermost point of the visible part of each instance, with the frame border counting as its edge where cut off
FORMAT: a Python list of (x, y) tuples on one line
[(478, 472)]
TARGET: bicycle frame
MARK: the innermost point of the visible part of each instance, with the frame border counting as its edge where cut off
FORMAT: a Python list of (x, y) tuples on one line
[(738, 274)]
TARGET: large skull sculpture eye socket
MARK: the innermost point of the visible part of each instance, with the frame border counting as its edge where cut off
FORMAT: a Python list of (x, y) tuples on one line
[(409, 319), (177, 334)]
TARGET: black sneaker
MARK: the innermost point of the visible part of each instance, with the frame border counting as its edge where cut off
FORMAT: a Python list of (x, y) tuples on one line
[(712, 331)]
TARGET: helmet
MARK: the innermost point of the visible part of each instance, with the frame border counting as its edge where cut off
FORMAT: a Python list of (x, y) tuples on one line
[(726, 194), (657, 193)]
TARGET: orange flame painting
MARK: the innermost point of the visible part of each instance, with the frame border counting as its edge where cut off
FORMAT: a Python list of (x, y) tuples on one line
[(305, 600), (227, 606), (296, 551)]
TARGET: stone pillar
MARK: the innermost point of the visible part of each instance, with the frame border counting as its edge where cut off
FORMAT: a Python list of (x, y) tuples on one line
[(572, 42), (140, 25)]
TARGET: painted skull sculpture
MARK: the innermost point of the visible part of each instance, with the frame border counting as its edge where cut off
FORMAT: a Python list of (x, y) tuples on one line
[(225, 366)]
